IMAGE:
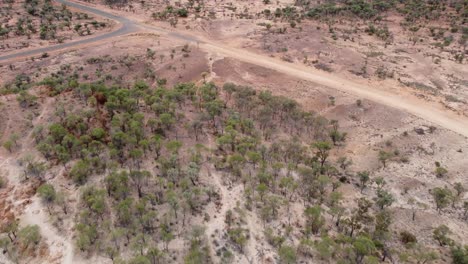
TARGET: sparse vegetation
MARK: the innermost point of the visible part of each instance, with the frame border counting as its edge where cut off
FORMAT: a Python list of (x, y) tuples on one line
[(148, 155)]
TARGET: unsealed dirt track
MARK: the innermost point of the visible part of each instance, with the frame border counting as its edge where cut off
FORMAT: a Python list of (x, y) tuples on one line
[(419, 108), (428, 111)]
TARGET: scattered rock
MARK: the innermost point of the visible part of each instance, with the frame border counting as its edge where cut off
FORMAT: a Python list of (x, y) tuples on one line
[(422, 130)]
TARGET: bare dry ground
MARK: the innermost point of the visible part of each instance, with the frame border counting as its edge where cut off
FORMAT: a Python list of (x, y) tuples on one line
[(425, 58), (370, 127), (416, 144)]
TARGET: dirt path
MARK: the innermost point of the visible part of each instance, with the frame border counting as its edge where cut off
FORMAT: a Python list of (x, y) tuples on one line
[(36, 214), (229, 198), (428, 111), (8, 163), (228, 202), (420, 108)]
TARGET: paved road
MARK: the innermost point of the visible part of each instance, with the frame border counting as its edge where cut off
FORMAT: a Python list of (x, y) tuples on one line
[(420, 108), (126, 26)]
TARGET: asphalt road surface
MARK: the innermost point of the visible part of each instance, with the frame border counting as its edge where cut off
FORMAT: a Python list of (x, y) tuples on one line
[(126, 26)]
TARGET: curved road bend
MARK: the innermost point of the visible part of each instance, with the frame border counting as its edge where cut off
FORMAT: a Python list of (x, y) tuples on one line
[(126, 27), (419, 108)]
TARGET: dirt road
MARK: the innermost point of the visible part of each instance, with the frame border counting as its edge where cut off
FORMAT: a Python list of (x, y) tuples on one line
[(418, 107), (428, 111)]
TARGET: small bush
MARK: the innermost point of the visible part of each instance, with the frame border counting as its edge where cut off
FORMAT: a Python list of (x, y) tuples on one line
[(407, 238), (8, 145), (323, 67), (2, 182), (441, 172), (182, 12)]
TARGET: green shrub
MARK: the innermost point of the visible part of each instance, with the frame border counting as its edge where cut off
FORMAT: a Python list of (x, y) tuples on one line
[(407, 238)]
